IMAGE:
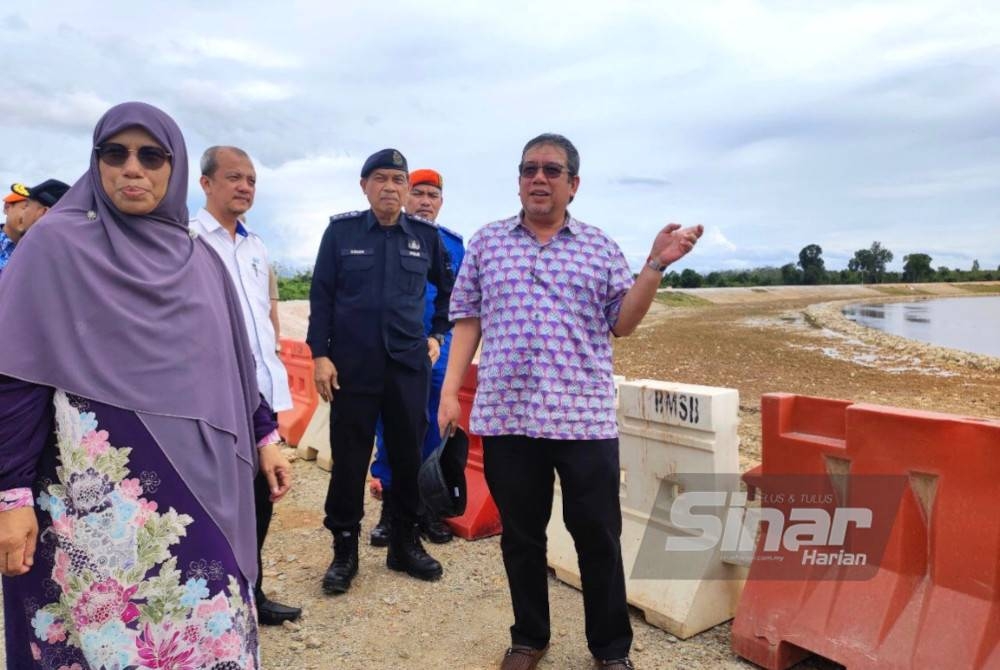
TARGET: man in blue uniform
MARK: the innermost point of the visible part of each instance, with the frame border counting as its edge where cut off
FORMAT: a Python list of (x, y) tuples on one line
[(22, 208), (372, 358), (424, 200)]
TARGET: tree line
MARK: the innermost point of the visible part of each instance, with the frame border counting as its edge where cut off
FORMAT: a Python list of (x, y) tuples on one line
[(868, 266)]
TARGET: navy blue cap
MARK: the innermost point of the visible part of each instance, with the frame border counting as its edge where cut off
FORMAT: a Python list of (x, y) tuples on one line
[(386, 158), (48, 192)]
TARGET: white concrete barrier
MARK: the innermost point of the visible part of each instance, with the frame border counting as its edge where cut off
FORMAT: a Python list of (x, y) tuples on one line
[(674, 438), (315, 442)]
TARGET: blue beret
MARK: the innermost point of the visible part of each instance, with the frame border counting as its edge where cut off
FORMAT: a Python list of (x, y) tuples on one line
[(386, 158)]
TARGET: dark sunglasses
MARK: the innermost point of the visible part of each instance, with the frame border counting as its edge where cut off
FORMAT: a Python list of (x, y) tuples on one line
[(550, 170), (115, 155)]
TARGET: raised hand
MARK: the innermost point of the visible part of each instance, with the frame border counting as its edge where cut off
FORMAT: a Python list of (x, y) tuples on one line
[(673, 243)]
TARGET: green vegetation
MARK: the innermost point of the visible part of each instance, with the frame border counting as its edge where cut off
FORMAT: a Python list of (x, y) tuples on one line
[(868, 266), (811, 262), (871, 262), (295, 287), (979, 288), (899, 290), (673, 299), (917, 267)]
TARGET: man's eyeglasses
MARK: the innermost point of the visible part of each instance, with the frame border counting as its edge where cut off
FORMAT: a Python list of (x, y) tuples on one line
[(550, 170), (115, 155)]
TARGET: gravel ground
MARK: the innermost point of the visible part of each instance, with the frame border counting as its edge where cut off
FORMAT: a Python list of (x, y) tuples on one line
[(389, 620), (759, 344)]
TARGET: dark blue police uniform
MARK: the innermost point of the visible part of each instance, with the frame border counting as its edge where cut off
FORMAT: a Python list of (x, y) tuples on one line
[(455, 246), (367, 315)]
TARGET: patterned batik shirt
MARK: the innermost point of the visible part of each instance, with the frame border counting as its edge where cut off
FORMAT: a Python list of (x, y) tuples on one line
[(6, 249), (546, 312)]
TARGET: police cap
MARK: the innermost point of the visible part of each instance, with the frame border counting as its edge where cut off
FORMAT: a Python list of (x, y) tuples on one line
[(386, 158), (18, 193), (441, 478), (47, 193)]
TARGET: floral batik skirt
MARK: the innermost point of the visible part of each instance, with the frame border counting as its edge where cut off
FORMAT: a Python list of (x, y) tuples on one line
[(130, 572)]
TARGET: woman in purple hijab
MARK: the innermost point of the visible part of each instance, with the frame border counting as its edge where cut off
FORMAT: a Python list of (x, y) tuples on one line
[(129, 417)]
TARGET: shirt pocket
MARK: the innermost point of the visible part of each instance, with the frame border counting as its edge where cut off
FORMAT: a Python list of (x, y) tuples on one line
[(414, 266), (586, 282), (356, 267)]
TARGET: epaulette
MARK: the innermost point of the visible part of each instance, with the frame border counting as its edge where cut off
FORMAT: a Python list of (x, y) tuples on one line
[(420, 219), (451, 232), (344, 215)]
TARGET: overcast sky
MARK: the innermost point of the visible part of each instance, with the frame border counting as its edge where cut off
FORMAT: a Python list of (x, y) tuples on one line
[(774, 124)]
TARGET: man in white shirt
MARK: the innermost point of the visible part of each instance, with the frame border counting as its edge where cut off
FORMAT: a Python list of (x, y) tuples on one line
[(229, 181)]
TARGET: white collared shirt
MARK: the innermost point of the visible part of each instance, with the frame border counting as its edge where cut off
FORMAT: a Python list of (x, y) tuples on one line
[(246, 259)]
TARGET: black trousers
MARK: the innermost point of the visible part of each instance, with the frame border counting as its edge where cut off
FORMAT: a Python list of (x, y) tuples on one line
[(403, 407), (520, 473), (263, 509)]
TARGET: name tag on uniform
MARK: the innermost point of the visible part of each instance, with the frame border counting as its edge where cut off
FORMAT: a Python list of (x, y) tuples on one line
[(348, 252), (416, 253)]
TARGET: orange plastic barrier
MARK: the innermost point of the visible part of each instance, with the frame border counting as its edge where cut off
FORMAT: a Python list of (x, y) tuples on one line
[(298, 361), (933, 598), (481, 518)]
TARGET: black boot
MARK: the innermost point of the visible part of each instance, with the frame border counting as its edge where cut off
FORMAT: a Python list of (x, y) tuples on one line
[(271, 613), (345, 562), (434, 529), (406, 553), (380, 533)]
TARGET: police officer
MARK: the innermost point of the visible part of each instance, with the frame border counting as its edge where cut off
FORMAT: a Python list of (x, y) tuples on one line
[(424, 199), (372, 357), (22, 208)]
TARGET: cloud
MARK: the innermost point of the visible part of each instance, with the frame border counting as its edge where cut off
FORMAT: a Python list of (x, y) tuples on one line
[(715, 239), (71, 111), (935, 184), (643, 181), (781, 124), (245, 53), (14, 22)]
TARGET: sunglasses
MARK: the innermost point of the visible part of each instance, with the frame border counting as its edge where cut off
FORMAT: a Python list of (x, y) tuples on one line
[(115, 155), (550, 170)]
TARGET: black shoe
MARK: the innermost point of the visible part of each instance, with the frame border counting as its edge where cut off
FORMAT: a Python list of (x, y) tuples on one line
[(270, 613), (345, 562), (406, 553), (380, 533), (435, 530)]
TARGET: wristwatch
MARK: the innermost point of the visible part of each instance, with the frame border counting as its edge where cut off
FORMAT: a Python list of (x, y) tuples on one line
[(439, 337), (653, 265)]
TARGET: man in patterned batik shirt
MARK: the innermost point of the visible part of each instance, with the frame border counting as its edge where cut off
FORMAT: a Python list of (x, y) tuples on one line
[(544, 292)]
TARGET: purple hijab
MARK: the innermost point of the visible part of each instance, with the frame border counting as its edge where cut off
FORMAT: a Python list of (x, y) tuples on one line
[(131, 311)]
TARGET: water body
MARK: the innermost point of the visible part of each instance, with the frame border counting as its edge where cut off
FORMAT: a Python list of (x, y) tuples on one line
[(967, 324)]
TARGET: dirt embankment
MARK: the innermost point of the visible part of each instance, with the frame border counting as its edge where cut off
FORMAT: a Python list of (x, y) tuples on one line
[(754, 340)]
